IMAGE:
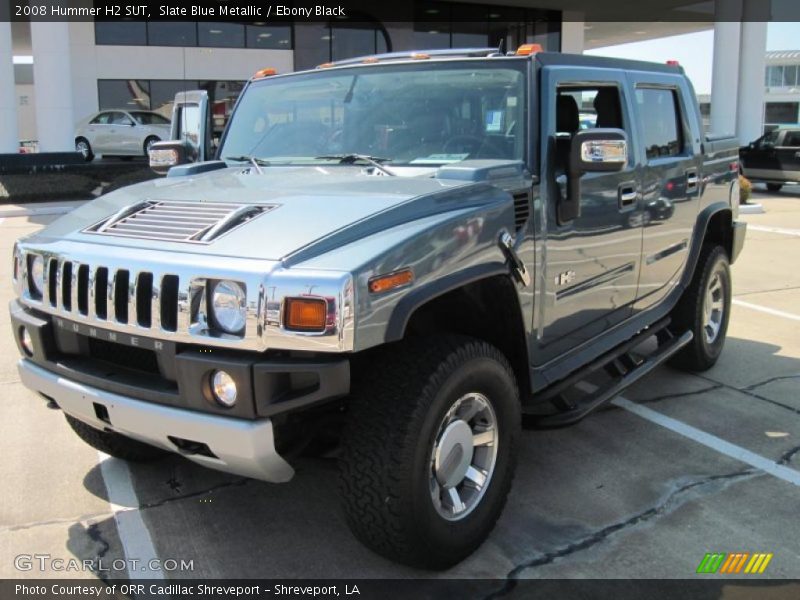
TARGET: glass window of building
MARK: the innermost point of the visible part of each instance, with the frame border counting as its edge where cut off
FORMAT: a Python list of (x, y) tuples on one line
[(162, 94), (471, 29), (273, 37), (171, 33), (781, 112), (431, 26), (220, 35), (121, 33), (123, 93), (790, 75), (349, 40)]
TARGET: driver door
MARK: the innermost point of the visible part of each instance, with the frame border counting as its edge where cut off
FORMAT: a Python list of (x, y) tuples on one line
[(592, 262)]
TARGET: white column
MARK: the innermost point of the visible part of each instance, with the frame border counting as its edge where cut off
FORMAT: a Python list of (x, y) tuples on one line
[(572, 32), (52, 78), (725, 76), (750, 96), (9, 135)]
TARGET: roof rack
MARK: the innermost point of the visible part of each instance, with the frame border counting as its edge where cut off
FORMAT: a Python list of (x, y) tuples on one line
[(410, 54)]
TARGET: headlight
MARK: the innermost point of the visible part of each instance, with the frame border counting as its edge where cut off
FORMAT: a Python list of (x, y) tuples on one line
[(36, 275), (229, 306)]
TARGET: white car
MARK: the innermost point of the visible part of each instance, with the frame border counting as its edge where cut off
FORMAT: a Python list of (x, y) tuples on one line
[(120, 133)]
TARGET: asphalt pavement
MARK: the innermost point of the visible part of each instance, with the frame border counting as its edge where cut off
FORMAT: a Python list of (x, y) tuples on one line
[(682, 466)]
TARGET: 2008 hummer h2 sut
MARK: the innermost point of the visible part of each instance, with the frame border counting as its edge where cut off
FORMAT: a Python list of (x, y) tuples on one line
[(421, 248)]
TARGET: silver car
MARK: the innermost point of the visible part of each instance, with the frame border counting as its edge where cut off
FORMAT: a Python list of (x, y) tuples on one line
[(120, 133)]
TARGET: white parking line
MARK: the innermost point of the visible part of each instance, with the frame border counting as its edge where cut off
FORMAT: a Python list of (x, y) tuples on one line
[(133, 533), (767, 229), (711, 441), (766, 309)]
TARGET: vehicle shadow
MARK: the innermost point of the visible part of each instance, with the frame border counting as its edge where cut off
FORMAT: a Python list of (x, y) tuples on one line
[(576, 489)]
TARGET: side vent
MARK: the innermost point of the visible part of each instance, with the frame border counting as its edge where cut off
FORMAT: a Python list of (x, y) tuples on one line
[(522, 209)]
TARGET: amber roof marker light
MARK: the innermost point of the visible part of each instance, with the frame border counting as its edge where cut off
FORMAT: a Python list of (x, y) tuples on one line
[(528, 49)]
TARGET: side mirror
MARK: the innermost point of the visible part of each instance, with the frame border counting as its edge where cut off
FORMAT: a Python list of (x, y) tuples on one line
[(165, 155), (591, 150)]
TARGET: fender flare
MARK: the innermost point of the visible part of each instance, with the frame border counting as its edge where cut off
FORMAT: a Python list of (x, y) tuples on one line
[(416, 298)]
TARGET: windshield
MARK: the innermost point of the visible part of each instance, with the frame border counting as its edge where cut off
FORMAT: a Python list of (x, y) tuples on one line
[(426, 114), (148, 118)]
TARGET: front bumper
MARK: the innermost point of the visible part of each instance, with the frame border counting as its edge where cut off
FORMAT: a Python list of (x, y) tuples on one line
[(233, 445)]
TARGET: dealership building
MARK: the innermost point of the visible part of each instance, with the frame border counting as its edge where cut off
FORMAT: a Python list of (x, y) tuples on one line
[(54, 74)]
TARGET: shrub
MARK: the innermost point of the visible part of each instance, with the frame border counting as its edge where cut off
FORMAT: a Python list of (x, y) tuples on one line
[(745, 189)]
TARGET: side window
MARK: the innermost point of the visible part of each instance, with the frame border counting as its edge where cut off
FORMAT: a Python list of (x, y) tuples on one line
[(663, 132), (580, 107), (101, 119), (792, 139), (769, 140), (119, 118)]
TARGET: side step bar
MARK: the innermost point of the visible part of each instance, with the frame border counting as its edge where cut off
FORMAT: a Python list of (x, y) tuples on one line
[(620, 364)]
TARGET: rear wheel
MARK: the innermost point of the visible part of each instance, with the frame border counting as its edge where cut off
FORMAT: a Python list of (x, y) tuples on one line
[(429, 450), (774, 187), (114, 444), (704, 309)]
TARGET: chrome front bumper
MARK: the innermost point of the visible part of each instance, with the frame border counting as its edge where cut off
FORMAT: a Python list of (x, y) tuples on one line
[(241, 447)]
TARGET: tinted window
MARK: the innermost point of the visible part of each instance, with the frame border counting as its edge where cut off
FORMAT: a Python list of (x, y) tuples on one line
[(171, 33), (792, 139), (149, 118), (660, 121), (124, 33), (119, 118), (221, 35), (163, 94)]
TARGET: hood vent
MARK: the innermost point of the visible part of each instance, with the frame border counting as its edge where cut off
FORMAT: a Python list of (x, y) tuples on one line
[(178, 221)]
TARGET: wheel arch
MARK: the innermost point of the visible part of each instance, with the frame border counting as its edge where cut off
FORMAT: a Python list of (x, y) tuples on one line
[(480, 302)]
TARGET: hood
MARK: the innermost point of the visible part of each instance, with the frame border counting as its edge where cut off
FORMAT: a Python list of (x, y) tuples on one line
[(314, 206)]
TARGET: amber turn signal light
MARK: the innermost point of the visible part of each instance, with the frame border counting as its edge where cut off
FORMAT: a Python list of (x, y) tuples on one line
[(305, 314), (268, 72), (384, 283)]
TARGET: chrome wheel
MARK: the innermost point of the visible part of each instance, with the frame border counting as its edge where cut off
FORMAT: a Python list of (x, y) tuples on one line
[(82, 147), (713, 308), (463, 456)]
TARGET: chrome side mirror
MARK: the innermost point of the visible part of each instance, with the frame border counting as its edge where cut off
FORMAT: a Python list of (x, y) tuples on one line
[(165, 155), (591, 150)]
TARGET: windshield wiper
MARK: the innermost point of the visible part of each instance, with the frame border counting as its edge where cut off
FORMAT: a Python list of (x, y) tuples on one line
[(349, 159), (253, 160)]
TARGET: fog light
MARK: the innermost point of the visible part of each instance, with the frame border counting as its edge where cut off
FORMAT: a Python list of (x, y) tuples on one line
[(223, 387), (26, 341)]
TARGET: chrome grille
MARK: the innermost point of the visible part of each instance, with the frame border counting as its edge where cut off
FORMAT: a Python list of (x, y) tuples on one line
[(144, 299), (178, 221)]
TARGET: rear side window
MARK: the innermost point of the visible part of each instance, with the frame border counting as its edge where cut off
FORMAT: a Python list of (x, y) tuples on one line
[(792, 138), (663, 134)]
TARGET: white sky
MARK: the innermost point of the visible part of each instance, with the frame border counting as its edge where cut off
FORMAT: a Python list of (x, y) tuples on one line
[(695, 50)]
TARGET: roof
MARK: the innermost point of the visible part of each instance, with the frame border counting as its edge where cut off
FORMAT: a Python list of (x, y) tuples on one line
[(783, 55)]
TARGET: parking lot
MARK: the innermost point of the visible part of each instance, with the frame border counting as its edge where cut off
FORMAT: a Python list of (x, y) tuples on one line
[(683, 466)]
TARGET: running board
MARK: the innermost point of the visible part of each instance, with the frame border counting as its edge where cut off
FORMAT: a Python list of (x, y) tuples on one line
[(624, 368)]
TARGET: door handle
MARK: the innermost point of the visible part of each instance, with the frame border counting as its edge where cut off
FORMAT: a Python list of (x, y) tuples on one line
[(627, 195), (692, 180)]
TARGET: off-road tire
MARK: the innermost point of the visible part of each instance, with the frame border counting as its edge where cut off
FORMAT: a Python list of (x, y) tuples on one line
[(394, 415), (114, 444), (699, 354)]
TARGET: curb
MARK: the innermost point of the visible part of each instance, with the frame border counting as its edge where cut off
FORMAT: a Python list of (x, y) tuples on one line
[(751, 209)]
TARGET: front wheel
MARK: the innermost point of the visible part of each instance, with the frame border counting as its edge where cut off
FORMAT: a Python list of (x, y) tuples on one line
[(704, 308), (429, 450), (148, 144), (84, 148)]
